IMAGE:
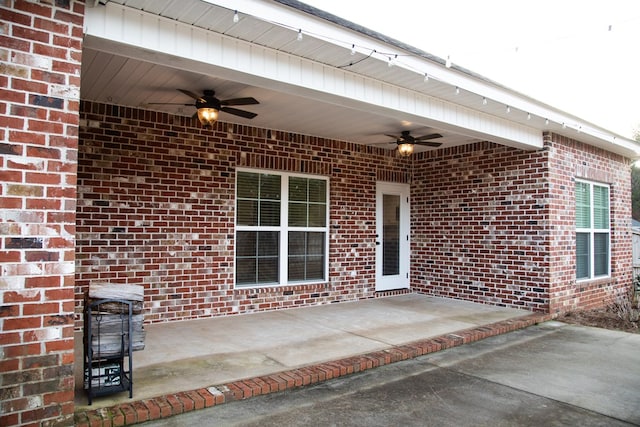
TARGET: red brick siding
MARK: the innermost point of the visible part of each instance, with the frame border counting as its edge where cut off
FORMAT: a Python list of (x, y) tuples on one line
[(40, 49), (156, 207), (480, 226), (489, 223), (570, 159), (497, 225)]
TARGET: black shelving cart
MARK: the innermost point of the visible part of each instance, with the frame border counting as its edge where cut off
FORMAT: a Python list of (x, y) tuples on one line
[(108, 361)]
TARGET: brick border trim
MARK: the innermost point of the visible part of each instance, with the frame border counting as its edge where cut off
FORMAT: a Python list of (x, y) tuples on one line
[(177, 403)]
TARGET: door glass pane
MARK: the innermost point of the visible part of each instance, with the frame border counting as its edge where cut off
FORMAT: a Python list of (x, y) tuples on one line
[(390, 234)]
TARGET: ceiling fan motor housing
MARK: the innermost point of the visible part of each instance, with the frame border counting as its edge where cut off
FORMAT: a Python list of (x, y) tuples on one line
[(208, 100)]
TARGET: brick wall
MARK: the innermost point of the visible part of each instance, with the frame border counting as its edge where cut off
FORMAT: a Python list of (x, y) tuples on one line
[(40, 50), (490, 223), (156, 208), (497, 225), (570, 159), (480, 225)]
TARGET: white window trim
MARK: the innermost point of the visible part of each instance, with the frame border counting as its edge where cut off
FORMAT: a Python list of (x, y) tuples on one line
[(592, 232), (283, 228)]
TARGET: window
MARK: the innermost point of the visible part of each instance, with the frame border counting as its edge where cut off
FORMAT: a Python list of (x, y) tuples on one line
[(281, 229), (592, 230)]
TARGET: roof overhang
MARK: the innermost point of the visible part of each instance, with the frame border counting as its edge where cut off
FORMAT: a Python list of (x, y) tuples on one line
[(335, 83)]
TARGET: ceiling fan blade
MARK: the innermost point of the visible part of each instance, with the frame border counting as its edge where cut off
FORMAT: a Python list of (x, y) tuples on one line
[(240, 101), (395, 137), (428, 143), (241, 113), (427, 137), (192, 95)]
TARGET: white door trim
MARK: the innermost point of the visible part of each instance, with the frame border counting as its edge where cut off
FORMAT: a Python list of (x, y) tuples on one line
[(398, 278)]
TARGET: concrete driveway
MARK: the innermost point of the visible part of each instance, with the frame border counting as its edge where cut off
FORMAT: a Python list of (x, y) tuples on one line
[(551, 374)]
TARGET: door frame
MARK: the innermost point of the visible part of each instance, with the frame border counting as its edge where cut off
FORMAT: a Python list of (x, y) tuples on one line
[(400, 280)]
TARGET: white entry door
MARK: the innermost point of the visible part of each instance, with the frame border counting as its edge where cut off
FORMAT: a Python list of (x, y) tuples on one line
[(392, 236)]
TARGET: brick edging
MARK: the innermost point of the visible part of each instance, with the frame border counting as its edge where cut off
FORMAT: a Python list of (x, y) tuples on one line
[(177, 403)]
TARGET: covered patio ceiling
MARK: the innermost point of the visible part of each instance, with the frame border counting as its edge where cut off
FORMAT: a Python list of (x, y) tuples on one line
[(334, 82)]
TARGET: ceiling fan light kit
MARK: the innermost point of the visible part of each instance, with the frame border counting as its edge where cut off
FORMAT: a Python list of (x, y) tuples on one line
[(405, 150), (207, 116)]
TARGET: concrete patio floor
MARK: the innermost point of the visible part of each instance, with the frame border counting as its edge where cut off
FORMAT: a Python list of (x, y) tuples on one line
[(198, 354)]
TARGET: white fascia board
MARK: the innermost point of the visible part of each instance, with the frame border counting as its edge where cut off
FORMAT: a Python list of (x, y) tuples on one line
[(168, 42)]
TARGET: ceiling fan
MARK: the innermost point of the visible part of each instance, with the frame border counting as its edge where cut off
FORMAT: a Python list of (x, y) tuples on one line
[(209, 106), (405, 141)]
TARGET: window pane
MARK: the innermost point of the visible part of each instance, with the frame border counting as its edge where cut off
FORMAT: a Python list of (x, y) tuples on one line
[(269, 187), (298, 214), (268, 243), (582, 255), (269, 213), (247, 212), (315, 268), (298, 189), (583, 205), (315, 243), (258, 199), (296, 268), (268, 270), (257, 255), (246, 271), (246, 243), (297, 243), (247, 185), (600, 207), (317, 191), (306, 255), (317, 215), (601, 254), (307, 202)]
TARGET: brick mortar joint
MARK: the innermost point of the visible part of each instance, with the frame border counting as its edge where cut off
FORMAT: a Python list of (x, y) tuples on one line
[(340, 368)]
